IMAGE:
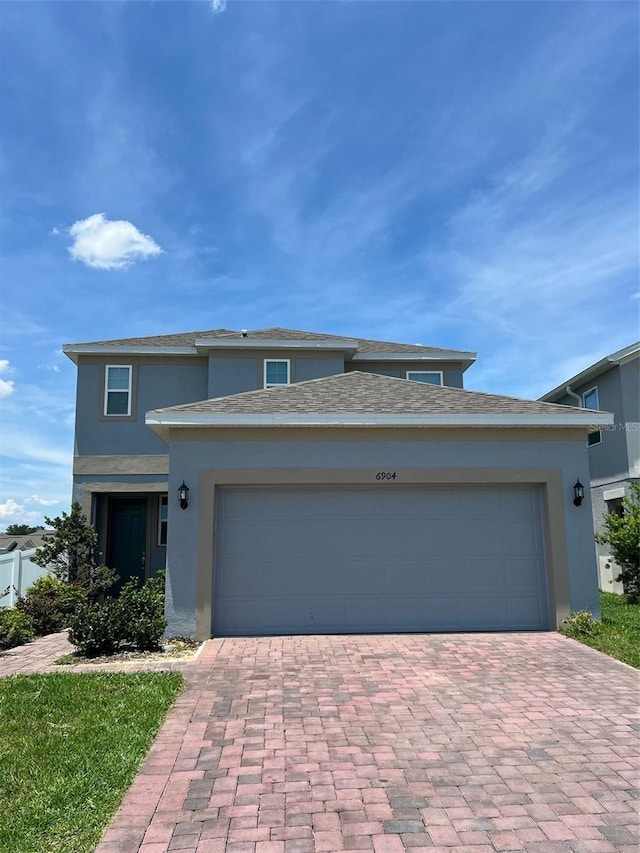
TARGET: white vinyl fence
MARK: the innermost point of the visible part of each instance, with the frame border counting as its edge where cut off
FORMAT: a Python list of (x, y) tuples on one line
[(17, 572)]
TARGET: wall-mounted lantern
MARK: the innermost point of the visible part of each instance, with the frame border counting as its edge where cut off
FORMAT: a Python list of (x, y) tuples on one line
[(578, 493), (183, 495)]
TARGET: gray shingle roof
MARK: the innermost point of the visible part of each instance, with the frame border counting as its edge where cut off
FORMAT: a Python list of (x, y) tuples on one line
[(181, 339), (274, 334), (366, 393)]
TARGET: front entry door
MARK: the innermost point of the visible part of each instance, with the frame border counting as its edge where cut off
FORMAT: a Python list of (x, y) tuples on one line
[(127, 538)]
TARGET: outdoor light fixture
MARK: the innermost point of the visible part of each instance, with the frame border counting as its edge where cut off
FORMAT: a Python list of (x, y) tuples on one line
[(578, 493), (183, 495)]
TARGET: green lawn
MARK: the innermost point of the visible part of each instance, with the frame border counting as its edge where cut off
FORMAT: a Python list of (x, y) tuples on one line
[(618, 634), (70, 746)]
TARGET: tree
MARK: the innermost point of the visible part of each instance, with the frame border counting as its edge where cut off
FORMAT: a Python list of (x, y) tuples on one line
[(622, 534), (21, 529), (72, 555)]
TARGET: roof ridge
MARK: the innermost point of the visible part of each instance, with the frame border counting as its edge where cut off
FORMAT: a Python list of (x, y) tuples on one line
[(365, 345)]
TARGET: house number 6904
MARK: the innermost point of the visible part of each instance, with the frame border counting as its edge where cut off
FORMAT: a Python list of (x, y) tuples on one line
[(386, 475)]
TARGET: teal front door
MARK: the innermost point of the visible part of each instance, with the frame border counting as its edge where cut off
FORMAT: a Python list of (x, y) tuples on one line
[(127, 540)]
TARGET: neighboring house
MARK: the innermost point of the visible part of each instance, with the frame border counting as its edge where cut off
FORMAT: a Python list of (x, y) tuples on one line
[(326, 493), (612, 384), (24, 541), (17, 569)]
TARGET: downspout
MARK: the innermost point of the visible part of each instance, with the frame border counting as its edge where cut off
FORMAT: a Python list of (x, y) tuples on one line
[(575, 396)]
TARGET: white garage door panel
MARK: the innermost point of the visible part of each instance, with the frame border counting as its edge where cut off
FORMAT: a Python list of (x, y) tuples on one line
[(389, 558)]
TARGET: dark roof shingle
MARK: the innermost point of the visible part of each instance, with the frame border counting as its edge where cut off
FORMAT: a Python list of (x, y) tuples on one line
[(366, 393)]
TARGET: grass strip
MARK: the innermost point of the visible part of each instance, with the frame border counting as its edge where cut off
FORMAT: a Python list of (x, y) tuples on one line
[(70, 746), (618, 634)]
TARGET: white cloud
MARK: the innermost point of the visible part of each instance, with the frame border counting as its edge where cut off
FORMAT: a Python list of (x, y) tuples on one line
[(10, 509), (12, 512), (36, 499), (109, 245), (218, 6), (7, 386)]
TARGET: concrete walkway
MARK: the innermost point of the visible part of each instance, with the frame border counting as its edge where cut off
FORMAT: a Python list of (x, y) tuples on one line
[(470, 742)]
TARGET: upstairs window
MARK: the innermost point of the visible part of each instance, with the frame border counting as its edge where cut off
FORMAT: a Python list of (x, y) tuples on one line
[(276, 372), (117, 390), (431, 377), (590, 401)]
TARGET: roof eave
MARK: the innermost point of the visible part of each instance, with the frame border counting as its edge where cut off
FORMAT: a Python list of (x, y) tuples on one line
[(593, 371), (587, 422), (74, 351), (466, 358)]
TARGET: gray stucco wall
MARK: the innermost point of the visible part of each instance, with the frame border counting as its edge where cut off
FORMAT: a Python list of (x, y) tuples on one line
[(157, 383), (189, 458), (630, 385), (452, 372), (163, 382), (235, 373), (608, 460)]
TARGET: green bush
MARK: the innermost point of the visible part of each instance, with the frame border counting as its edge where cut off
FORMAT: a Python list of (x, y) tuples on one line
[(134, 620), (143, 613), (96, 629), (622, 534), (15, 628), (51, 603), (580, 624)]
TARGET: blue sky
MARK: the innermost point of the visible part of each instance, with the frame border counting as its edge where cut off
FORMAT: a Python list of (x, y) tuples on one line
[(456, 174)]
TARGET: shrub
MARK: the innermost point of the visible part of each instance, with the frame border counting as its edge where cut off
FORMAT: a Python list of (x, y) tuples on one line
[(51, 603), (143, 612), (133, 620), (580, 624), (96, 629), (15, 628), (622, 534)]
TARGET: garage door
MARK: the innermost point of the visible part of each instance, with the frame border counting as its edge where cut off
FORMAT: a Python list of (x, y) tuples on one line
[(292, 560)]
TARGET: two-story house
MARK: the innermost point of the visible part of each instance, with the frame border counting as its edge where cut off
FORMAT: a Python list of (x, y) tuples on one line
[(612, 384), (295, 482)]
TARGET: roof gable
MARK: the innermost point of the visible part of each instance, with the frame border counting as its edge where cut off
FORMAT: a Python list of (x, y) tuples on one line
[(370, 398)]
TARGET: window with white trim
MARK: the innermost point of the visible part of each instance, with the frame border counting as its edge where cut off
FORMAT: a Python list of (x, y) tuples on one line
[(163, 507), (590, 401), (431, 377), (276, 372), (117, 389)]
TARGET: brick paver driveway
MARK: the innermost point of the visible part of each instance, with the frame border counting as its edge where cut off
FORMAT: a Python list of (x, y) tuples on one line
[(476, 742)]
